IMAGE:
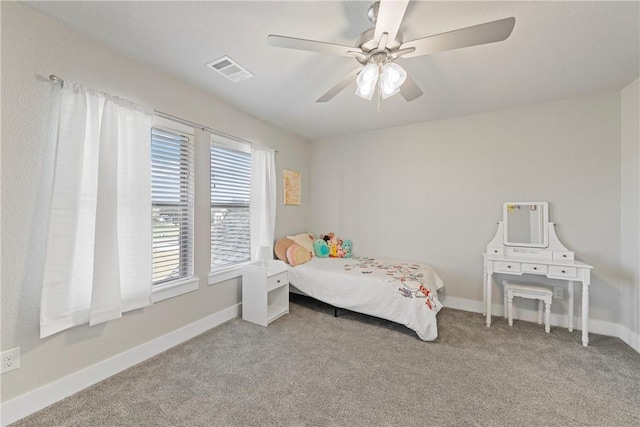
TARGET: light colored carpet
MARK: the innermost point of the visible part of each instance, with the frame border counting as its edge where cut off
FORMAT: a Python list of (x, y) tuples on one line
[(309, 368)]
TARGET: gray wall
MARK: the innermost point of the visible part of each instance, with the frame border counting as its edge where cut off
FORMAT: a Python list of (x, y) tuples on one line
[(34, 46), (630, 212), (433, 192)]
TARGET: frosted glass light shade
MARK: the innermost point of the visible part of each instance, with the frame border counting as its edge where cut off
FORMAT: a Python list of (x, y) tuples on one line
[(392, 77), (387, 89), (366, 81)]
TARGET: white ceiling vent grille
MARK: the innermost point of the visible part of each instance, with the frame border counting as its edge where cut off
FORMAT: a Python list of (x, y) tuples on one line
[(230, 69)]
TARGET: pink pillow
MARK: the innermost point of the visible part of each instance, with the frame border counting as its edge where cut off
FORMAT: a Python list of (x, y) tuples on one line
[(297, 255)]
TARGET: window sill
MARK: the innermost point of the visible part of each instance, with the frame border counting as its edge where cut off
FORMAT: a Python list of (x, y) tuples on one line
[(229, 273), (174, 289)]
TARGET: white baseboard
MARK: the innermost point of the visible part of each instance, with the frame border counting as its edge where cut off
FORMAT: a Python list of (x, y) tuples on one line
[(28, 403), (630, 337), (560, 320)]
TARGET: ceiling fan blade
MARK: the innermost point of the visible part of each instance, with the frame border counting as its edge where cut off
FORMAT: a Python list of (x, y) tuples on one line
[(311, 45), (389, 18), (410, 90), (489, 32), (342, 84)]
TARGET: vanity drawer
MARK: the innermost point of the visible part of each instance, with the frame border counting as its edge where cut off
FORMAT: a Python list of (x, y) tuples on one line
[(560, 271), (495, 251), (506, 267), (534, 268), (563, 255)]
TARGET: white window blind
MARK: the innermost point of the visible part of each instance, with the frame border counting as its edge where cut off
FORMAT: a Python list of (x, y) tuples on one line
[(230, 191), (172, 186)]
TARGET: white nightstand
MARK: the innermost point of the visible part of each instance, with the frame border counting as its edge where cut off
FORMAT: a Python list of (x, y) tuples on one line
[(265, 292)]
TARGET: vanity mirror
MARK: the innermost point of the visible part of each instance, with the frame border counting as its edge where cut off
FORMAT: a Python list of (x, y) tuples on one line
[(525, 224)]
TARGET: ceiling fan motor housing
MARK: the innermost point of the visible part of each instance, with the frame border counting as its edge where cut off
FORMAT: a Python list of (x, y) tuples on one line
[(369, 46)]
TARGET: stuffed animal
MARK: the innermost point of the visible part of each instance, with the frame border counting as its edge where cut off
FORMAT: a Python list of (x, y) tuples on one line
[(328, 237), (347, 247), (320, 248), (340, 251), (333, 249)]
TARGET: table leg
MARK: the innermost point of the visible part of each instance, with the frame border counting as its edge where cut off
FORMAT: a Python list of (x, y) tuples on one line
[(585, 314), (484, 290), (489, 280), (570, 305)]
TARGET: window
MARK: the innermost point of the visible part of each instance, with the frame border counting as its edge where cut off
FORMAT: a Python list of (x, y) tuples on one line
[(172, 205), (230, 190)]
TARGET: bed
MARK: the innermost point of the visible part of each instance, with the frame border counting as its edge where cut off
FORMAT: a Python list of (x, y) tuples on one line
[(399, 291)]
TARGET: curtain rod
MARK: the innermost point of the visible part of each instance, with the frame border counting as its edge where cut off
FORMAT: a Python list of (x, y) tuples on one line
[(57, 79)]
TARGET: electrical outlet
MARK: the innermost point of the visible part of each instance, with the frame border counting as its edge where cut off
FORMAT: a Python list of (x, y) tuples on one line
[(10, 359), (558, 293)]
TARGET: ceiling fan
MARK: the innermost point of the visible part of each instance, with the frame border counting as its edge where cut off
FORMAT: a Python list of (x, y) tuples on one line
[(378, 48)]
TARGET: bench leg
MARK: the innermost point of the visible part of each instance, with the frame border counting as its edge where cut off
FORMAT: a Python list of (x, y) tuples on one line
[(539, 312), (547, 317), (505, 304), (510, 310)]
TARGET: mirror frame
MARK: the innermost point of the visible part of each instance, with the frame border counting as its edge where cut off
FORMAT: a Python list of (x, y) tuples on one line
[(545, 225)]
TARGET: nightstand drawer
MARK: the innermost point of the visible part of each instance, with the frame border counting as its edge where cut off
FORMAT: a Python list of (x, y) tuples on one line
[(560, 271), (507, 267), (277, 281), (534, 268)]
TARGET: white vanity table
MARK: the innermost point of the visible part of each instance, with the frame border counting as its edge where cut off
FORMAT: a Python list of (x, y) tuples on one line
[(526, 243)]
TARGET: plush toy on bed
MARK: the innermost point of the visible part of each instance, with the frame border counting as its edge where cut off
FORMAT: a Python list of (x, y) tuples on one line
[(336, 246), (332, 243), (333, 250), (321, 248), (347, 247)]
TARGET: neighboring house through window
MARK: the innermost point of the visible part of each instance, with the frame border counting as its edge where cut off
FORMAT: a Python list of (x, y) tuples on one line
[(172, 196), (230, 193)]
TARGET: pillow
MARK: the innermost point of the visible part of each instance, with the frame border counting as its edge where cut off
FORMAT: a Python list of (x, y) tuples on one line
[(321, 248), (305, 240), (281, 248), (297, 255)]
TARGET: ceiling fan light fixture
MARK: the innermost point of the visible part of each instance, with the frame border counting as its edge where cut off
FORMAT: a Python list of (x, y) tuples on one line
[(386, 88), (366, 90), (366, 81), (391, 78), (394, 74), (368, 75)]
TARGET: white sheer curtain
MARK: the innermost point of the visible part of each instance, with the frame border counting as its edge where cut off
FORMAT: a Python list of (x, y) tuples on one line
[(98, 255), (262, 206)]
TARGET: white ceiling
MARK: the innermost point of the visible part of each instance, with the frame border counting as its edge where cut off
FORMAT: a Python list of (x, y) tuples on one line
[(557, 50)]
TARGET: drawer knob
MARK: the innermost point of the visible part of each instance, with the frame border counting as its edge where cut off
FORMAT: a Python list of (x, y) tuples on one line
[(495, 252), (279, 279), (508, 266), (563, 271), (564, 255), (535, 268)]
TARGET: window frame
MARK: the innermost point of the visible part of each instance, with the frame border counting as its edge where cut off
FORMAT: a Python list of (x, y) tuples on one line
[(227, 272), (178, 286)]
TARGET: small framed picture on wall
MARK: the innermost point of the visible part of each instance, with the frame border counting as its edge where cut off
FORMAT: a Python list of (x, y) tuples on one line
[(291, 187)]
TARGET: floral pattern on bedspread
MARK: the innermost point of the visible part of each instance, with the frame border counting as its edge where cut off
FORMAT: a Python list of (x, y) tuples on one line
[(407, 276)]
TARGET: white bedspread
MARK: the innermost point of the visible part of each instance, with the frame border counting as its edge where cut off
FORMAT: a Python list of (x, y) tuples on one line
[(403, 292)]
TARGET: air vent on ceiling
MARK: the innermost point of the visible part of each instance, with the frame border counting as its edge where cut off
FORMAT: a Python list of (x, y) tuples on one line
[(230, 69)]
